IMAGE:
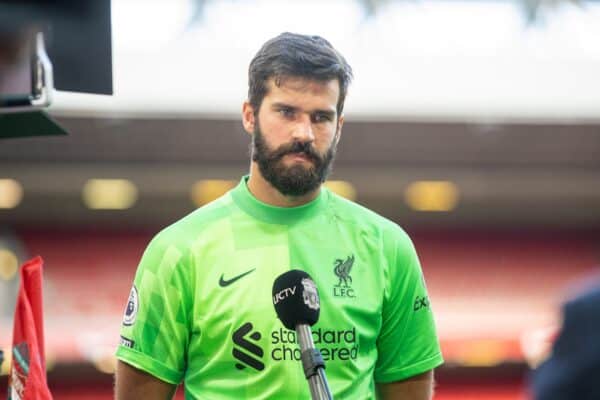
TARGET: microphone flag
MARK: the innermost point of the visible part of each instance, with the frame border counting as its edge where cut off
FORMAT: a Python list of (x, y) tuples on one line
[(27, 377)]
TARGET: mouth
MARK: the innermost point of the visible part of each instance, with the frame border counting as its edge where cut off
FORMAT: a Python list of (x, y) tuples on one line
[(300, 157)]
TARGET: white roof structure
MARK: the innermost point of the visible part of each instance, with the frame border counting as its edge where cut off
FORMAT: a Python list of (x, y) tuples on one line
[(446, 60)]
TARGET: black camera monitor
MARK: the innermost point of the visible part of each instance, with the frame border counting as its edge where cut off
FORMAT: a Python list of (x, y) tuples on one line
[(25, 72)]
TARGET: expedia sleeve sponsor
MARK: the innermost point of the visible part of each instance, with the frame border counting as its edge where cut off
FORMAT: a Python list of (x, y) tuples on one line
[(420, 303)]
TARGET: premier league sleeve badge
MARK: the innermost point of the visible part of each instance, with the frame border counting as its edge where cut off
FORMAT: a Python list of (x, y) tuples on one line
[(132, 307)]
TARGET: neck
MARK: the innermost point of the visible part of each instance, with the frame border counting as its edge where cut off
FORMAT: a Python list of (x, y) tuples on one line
[(265, 192)]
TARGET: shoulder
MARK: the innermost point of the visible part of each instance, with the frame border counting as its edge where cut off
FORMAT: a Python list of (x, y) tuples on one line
[(580, 323), (575, 359), (349, 212), (587, 303), (185, 230)]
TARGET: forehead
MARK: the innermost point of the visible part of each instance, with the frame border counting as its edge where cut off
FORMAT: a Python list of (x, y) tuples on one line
[(303, 92)]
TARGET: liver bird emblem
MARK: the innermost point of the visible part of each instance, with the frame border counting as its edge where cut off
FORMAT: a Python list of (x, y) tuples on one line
[(342, 270)]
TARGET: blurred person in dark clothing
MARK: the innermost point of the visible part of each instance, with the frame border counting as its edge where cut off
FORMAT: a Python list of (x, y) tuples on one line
[(573, 370)]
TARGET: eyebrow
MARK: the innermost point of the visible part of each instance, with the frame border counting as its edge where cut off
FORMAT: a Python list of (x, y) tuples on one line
[(330, 113)]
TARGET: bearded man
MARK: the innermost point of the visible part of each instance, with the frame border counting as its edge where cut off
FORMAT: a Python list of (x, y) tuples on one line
[(200, 310)]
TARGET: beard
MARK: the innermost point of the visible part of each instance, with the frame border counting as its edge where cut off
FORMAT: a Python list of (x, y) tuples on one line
[(297, 179)]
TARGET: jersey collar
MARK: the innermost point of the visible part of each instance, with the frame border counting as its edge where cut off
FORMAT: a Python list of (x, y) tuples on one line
[(272, 214)]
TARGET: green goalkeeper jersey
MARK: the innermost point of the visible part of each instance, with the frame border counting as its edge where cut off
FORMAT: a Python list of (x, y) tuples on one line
[(200, 310)]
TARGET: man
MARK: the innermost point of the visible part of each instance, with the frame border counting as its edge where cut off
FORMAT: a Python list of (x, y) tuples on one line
[(572, 370), (200, 310)]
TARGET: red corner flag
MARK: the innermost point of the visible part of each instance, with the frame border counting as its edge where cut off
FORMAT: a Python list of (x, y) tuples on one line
[(27, 378)]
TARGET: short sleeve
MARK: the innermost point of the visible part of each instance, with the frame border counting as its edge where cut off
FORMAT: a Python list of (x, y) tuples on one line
[(155, 330), (408, 344)]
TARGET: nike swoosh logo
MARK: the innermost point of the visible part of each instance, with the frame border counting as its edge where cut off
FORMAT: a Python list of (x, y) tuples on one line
[(224, 283)]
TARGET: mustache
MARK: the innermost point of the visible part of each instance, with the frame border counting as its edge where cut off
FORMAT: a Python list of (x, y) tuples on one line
[(304, 148)]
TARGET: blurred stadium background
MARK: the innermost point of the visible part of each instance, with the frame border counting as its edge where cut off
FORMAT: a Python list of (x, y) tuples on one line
[(473, 124)]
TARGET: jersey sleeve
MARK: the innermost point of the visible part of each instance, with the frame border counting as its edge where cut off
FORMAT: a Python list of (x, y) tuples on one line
[(155, 328), (408, 344)]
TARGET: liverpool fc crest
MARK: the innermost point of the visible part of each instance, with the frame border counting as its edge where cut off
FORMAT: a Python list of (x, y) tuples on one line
[(342, 271)]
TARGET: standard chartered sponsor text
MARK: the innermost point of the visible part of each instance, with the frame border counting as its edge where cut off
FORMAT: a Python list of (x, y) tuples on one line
[(333, 344)]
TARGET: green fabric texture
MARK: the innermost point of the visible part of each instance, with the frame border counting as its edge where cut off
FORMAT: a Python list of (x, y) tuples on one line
[(204, 308)]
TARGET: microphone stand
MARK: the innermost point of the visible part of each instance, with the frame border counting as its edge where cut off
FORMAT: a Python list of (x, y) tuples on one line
[(313, 364)]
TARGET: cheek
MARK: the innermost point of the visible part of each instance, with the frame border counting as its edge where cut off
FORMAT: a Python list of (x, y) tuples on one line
[(274, 130), (326, 138)]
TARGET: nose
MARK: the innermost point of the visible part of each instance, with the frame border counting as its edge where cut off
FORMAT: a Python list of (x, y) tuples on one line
[(303, 130)]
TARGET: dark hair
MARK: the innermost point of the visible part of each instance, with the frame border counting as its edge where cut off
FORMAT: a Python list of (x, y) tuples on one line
[(295, 55)]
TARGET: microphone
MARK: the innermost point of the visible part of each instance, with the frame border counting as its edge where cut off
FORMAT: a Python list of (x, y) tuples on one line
[(296, 302)]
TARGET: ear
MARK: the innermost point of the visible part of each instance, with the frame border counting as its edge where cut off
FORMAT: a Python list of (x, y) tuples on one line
[(248, 119), (338, 131)]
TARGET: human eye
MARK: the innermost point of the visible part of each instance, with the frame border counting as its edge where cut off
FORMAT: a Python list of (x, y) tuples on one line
[(286, 112), (321, 117)]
